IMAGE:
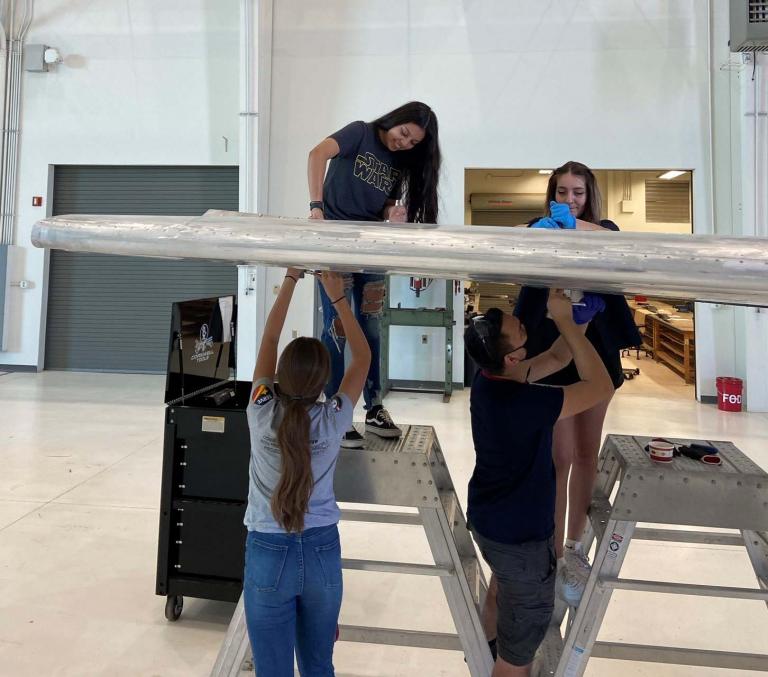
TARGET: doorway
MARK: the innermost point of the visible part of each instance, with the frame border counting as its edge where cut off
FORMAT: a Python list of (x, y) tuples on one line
[(655, 201)]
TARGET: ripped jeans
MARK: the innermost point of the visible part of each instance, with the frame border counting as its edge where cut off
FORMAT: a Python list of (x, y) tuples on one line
[(366, 293)]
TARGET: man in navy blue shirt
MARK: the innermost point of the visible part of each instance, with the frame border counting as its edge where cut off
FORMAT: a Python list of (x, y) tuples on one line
[(511, 501)]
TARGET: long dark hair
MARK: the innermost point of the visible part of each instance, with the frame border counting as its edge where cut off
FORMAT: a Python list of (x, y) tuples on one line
[(593, 204), (419, 166), (302, 372)]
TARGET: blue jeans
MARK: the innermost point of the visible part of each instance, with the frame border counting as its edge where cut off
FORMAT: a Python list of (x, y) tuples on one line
[(366, 294), (292, 595)]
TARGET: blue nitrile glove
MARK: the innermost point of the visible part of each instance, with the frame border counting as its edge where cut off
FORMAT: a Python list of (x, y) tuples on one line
[(545, 222), (593, 304), (561, 213)]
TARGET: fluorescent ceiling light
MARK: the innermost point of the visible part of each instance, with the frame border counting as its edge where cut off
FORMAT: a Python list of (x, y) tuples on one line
[(545, 171), (671, 174)]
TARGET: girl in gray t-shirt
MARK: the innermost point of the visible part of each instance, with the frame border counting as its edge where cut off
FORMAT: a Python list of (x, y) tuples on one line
[(292, 584)]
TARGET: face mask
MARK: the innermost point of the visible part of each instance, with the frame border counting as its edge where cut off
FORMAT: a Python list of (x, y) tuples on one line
[(524, 344)]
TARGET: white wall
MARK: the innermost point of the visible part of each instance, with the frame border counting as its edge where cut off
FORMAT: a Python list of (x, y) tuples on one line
[(142, 83), (514, 84), (733, 338)]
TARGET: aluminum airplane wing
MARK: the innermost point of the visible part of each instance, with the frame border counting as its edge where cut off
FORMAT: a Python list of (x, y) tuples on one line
[(706, 268)]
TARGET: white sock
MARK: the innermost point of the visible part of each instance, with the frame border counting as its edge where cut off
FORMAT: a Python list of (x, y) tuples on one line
[(572, 545)]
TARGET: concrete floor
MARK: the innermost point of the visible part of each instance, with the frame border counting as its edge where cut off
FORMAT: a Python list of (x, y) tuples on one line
[(80, 468)]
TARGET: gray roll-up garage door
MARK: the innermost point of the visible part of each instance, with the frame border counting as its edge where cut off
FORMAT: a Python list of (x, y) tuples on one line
[(112, 313)]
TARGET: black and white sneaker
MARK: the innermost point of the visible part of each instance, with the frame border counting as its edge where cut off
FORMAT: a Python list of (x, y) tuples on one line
[(352, 439), (379, 422)]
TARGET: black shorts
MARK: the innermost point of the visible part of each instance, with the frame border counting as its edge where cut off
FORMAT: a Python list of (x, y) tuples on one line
[(525, 576)]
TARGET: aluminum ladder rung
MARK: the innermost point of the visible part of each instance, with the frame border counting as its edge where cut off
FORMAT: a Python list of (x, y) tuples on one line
[(681, 656), (686, 536), (400, 637), (396, 567), (683, 588), (381, 516)]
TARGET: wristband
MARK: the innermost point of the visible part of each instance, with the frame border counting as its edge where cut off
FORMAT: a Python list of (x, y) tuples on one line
[(292, 278), (316, 204), (338, 299)]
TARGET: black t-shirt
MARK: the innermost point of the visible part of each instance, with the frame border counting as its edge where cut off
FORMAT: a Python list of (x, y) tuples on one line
[(362, 177), (609, 331), (511, 495)]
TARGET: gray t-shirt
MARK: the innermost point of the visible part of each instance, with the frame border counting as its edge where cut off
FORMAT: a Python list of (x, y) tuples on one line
[(329, 421)]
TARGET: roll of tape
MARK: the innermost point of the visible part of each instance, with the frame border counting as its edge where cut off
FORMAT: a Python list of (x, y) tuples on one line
[(661, 451)]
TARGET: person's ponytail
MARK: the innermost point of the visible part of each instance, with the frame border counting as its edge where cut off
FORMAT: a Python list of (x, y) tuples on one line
[(291, 495), (302, 372)]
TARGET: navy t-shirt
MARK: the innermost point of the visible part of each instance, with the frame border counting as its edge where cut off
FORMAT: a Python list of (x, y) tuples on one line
[(609, 331), (511, 495), (362, 177)]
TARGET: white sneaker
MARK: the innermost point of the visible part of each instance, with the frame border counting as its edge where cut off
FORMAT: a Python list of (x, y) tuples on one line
[(569, 585)]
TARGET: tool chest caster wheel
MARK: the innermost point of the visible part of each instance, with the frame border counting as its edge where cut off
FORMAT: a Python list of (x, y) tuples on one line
[(173, 606)]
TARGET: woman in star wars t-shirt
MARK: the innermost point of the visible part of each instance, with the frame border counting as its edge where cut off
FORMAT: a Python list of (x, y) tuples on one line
[(371, 166)]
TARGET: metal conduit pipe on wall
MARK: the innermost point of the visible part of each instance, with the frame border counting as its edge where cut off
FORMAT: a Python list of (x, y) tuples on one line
[(6, 97), (8, 20), (15, 29)]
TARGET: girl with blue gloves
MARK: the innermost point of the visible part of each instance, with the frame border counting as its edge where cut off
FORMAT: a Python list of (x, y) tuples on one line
[(292, 582), (573, 203)]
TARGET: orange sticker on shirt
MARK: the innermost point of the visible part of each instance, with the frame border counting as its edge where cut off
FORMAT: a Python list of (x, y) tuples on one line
[(262, 395)]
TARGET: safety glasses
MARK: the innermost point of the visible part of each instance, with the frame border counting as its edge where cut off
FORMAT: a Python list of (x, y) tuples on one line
[(483, 327)]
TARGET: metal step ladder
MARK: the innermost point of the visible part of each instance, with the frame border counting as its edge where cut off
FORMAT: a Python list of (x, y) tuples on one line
[(733, 495), (419, 317), (407, 472)]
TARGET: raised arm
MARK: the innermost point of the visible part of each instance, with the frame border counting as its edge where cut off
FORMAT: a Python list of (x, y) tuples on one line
[(595, 384), (559, 354), (318, 159), (552, 360), (266, 361), (356, 372)]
